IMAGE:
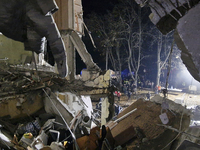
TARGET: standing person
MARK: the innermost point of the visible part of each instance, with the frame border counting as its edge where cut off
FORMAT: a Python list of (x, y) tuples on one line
[(133, 88), (146, 84), (142, 84), (156, 89), (148, 95), (129, 94), (118, 95), (149, 84), (159, 88), (125, 89), (152, 85), (128, 88)]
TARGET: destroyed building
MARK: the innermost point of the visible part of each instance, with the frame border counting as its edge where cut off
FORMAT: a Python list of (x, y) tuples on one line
[(39, 63), (45, 105)]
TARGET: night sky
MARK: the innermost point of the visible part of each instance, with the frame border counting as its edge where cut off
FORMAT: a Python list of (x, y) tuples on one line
[(97, 6)]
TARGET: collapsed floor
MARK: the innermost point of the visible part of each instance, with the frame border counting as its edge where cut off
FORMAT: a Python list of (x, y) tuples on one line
[(34, 116)]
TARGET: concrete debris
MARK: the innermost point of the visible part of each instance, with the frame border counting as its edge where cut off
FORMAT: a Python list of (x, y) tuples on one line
[(95, 79), (50, 113), (40, 110), (165, 14), (140, 129)]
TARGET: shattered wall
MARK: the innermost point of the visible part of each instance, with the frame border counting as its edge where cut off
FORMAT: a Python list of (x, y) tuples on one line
[(13, 51)]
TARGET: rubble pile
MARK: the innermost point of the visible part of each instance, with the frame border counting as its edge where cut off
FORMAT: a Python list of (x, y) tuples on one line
[(145, 127), (39, 110), (15, 80)]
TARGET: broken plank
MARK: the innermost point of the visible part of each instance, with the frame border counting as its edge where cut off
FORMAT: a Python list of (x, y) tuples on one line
[(125, 136)]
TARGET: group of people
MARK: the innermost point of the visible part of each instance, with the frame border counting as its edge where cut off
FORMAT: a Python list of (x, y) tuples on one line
[(129, 89)]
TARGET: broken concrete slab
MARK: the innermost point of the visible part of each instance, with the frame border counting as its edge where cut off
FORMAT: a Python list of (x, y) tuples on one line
[(148, 130)]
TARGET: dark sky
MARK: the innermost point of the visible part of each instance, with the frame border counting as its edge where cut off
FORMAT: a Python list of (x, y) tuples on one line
[(98, 6)]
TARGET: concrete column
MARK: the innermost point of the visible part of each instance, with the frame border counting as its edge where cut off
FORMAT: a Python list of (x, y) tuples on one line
[(104, 110), (71, 57)]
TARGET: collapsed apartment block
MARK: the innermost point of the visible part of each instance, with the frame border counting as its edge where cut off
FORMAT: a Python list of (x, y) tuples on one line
[(44, 105), (28, 78)]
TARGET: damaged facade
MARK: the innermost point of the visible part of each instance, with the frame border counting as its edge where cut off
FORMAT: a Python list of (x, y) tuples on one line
[(39, 107), (44, 105)]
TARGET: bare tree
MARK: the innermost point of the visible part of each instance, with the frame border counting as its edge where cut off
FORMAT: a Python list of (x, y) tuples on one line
[(134, 26), (122, 35), (108, 30), (165, 46)]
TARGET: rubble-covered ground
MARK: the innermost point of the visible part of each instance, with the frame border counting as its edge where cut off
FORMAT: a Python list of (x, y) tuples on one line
[(151, 118), (52, 128), (187, 99)]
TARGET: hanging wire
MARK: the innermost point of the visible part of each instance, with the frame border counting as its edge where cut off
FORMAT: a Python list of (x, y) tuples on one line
[(34, 61), (144, 3), (73, 136), (169, 64), (188, 4), (36, 69), (180, 126), (164, 105)]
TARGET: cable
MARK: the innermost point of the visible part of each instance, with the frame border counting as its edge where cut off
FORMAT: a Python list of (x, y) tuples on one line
[(169, 64), (176, 135), (73, 136)]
